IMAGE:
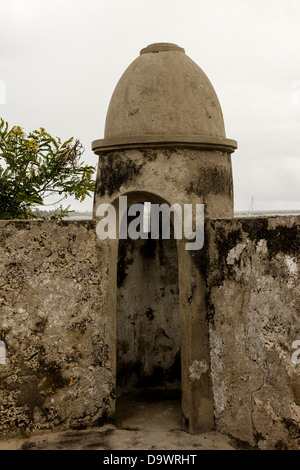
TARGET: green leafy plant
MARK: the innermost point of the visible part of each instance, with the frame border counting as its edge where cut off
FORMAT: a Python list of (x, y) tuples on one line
[(35, 167)]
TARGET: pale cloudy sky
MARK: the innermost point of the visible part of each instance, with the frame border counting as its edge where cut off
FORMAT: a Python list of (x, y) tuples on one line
[(61, 59)]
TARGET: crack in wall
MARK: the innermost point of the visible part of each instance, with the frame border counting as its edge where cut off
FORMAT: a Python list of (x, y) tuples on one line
[(256, 435)]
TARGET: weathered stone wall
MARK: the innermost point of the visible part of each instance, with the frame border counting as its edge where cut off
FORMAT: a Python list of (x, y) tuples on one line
[(253, 297), (175, 175), (57, 370)]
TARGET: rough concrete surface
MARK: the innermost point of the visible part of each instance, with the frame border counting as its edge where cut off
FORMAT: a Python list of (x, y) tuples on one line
[(57, 368), (253, 296)]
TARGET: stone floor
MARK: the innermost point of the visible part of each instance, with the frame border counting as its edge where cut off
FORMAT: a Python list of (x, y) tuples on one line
[(141, 422)]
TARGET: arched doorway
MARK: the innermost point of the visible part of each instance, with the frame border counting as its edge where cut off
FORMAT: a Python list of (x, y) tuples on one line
[(148, 356), (196, 388)]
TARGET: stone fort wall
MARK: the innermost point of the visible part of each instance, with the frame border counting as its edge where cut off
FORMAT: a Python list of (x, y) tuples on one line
[(57, 370), (254, 319)]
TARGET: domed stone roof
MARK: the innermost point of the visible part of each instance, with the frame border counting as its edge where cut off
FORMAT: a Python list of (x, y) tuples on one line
[(163, 99)]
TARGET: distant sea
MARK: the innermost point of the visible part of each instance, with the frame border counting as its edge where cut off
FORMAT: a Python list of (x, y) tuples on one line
[(265, 213), (89, 215)]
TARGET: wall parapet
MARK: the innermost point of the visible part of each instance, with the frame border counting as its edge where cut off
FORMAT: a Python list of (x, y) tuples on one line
[(253, 313), (58, 372)]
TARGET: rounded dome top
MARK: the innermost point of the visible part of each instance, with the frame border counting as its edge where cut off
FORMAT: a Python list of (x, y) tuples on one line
[(164, 98)]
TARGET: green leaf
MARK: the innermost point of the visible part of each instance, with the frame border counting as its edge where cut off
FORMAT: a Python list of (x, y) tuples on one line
[(35, 165)]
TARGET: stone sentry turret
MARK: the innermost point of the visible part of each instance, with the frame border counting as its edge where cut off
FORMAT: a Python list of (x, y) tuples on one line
[(165, 142)]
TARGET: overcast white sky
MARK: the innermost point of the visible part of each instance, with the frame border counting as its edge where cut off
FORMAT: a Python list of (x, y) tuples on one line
[(61, 59)]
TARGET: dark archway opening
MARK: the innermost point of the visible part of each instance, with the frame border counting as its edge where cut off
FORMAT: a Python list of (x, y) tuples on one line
[(148, 323)]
